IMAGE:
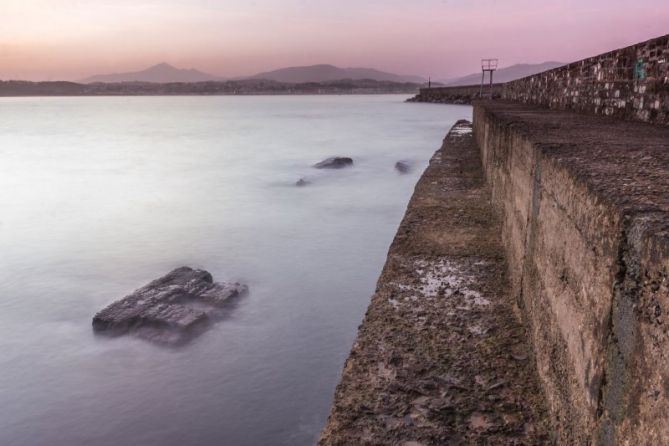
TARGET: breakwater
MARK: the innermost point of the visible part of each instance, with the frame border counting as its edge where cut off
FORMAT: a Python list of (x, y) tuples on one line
[(456, 95), (577, 211)]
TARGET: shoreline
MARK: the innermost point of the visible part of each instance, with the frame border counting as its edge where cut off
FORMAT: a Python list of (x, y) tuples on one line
[(231, 88), (199, 95)]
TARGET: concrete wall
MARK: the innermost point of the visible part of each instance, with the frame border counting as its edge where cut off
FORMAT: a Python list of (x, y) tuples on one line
[(629, 83), (586, 230)]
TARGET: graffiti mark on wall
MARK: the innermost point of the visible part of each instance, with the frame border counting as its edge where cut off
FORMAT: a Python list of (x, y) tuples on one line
[(639, 70)]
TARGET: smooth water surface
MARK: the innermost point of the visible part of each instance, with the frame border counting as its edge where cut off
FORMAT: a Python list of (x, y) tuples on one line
[(101, 195)]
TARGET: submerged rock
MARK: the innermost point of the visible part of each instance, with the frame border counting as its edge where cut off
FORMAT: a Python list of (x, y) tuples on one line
[(335, 162), (170, 310), (403, 166)]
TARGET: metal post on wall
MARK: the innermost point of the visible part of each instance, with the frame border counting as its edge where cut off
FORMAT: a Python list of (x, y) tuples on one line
[(489, 65)]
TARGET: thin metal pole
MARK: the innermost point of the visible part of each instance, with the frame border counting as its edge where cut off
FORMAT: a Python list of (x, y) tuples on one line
[(482, 80), (491, 71)]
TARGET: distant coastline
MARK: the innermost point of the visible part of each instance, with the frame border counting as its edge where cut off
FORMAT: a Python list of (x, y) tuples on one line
[(17, 88), (166, 80)]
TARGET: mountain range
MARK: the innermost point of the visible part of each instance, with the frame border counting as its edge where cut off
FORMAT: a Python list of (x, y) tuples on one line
[(165, 73), (507, 74), (327, 73)]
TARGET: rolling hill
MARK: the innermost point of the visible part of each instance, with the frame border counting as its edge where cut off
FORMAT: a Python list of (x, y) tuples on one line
[(327, 73)]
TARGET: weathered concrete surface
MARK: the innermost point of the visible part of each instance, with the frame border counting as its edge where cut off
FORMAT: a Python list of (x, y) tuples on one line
[(585, 208), (170, 310), (441, 358)]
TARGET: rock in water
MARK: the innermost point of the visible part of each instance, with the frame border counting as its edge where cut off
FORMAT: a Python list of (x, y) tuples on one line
[(336, 162), (170, 310), (402, 166), (301, 182)]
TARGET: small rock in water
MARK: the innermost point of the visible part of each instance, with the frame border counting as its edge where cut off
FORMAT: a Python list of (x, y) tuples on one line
[(402, 166), (301, 182), (336, 162), (170, 310)]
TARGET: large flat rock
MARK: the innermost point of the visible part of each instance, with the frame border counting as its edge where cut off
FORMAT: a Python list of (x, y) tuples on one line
[(170, 310)]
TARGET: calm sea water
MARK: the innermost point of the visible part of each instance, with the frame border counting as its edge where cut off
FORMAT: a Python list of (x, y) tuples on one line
[(101, 195)]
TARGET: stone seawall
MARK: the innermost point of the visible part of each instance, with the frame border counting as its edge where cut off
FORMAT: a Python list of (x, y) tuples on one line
[(628, 83), (575, 207), (571, 345), (455, 95), (584, 202)]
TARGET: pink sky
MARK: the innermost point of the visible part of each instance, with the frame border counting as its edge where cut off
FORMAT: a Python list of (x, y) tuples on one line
[(72, 39)]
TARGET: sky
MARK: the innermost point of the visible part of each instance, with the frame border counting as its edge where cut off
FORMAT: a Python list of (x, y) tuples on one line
[(72, 39)]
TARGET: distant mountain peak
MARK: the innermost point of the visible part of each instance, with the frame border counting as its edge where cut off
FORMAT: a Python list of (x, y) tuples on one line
[(159, 73)]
